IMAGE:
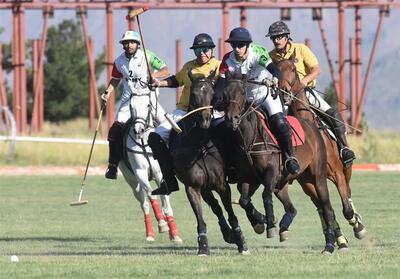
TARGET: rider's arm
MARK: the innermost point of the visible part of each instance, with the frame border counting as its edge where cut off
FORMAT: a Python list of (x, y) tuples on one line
[(315, 72), (115, 78), (160, 69), (169, 82), (310, 62)]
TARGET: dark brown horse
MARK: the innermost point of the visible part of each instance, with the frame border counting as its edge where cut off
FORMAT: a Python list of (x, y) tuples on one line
[(198, 164), (258, 161), (294, 92)]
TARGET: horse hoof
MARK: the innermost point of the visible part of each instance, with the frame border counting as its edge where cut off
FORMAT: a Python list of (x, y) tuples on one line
[(150, 239), (283, 236), (343, 247), (202, 255), (361, 234), (271, 232), (259, 228), (162, 226), (328, 250), (245, 252), (176, 240)]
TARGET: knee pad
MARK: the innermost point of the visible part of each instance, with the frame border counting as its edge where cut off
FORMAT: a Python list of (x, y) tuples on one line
[(279, 125), (115, 132)]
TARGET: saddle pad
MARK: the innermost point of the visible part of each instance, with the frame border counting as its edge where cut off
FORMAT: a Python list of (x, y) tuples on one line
[(298, 136)]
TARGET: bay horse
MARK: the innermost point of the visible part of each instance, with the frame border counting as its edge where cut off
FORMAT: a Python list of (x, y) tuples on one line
[(258, 160), (199, 166), (337, 172), (139, 167)]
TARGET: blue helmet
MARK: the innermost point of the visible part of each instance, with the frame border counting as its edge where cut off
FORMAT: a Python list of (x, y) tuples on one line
[(239, 34)]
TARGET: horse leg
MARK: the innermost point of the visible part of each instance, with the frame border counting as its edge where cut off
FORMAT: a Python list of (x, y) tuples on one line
[(225, 195), (356, 222), (194, 198), (290, 213), (257, 219), (169, 215), (320, 197), (269, 212), (140, 195), (226, 230)]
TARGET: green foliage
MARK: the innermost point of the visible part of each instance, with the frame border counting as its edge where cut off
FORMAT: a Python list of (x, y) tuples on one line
[(330, 96), (66, 72), (105, 238)]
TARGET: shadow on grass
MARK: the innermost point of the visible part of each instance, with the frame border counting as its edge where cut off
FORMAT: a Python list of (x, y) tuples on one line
[(48, 238)]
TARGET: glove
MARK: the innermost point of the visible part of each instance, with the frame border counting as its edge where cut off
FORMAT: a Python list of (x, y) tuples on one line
[(105, 96), (275, 82)]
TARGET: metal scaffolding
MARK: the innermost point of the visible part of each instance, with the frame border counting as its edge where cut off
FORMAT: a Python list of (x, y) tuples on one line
[(358, 85)]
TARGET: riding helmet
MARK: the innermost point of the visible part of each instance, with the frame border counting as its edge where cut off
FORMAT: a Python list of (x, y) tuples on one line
[(239, 34), (202, 40), (278, 28)]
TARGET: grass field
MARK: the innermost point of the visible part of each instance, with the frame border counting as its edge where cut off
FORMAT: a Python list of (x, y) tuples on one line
[(105, 239)]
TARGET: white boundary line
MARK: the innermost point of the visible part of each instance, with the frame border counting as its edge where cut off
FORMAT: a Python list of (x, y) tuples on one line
[(51, 140)]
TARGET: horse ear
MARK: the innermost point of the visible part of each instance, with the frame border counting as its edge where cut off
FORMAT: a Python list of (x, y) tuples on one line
[(211, 76), (293, 56), (228, 75)]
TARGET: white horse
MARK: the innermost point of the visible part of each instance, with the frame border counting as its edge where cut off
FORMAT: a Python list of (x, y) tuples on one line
[(139, 167)]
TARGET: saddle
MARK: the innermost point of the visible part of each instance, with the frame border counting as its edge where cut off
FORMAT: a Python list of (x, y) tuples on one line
[(298, 135)]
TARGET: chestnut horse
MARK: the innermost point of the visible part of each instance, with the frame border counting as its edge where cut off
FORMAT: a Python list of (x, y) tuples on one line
[(258, 160), (199, 165), (337, 172)]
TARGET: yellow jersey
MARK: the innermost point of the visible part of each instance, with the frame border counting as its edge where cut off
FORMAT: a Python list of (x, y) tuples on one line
[(197, 70), (305, 59)]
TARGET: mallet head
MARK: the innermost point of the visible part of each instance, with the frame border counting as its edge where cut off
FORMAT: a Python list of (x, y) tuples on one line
[(136, 12)]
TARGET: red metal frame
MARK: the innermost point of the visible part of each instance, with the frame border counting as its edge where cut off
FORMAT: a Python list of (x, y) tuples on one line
[(18, 50)]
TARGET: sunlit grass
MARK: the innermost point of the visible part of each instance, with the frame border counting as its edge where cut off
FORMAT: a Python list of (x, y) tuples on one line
[(105, 238)]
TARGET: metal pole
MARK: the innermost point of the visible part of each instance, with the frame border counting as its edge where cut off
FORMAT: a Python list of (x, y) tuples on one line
[(342, 68), (110, 62), (353, 80), (243, 17)]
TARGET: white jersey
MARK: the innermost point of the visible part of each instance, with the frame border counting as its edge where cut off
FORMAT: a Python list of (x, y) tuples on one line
[(254, 67), (134, 73)]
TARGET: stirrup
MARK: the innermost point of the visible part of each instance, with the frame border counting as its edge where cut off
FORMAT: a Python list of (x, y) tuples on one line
[(292, 165), (347, 161)]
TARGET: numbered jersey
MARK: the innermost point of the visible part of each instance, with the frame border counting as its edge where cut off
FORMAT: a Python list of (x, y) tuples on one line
[(134, 74), (254, 67)]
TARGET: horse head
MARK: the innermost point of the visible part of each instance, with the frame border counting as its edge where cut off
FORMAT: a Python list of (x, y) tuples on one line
[(201, 93), (290, 84), (234, 100), (140, 115)]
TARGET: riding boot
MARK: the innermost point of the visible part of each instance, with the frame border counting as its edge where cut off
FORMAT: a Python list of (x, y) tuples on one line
[(115, 149), (336, 122), (161, 153), (283, 133)]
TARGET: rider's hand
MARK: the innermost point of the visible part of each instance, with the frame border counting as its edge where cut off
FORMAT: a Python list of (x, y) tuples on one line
[(105, 96), (275, 82), (155, 82)]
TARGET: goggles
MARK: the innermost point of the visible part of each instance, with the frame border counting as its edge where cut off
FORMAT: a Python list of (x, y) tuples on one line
[(238, 44), (199, 50)]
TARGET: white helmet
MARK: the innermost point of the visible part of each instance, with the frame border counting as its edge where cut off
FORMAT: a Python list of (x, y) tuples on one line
[(130, 36)]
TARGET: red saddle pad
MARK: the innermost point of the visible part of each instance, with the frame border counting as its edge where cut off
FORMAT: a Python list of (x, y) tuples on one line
[(298, 136)]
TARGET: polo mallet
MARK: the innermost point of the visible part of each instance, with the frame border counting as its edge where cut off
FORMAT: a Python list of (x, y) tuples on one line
[(80, 201), (131, 15), (173, 123)]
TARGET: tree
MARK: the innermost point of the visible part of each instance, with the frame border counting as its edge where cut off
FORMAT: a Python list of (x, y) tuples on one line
[(66, 72)]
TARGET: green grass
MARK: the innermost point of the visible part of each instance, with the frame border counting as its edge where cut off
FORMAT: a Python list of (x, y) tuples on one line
[(105, 239)]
